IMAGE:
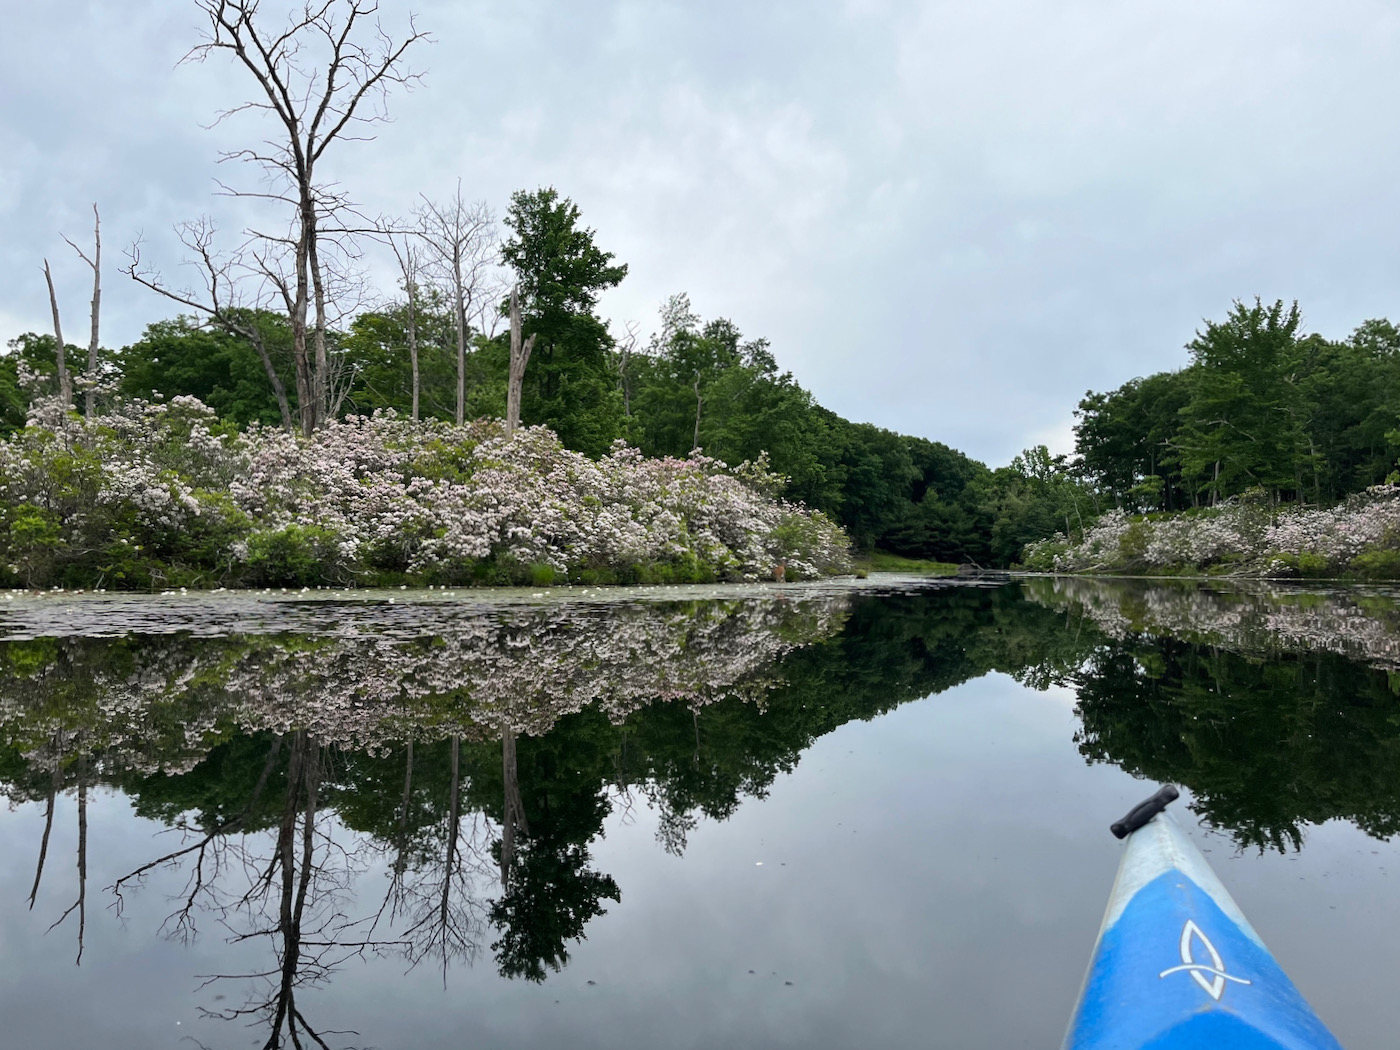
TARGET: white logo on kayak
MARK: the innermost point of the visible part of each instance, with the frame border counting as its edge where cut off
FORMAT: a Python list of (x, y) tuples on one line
[(1215, 986)]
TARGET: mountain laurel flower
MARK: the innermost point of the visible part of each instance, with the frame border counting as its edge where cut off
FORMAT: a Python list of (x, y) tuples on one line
[(367, 496)]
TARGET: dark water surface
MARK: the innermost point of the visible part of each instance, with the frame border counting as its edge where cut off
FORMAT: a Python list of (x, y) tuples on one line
[(845, 815)]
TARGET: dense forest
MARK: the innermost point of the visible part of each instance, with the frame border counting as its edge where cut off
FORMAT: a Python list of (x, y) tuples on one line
[(1261, 410), (693, 384)]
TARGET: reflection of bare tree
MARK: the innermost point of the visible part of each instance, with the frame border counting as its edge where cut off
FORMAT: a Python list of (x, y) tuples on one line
[(439, 900), (278, 866), (55, 755), (286, 888), (513, 807)]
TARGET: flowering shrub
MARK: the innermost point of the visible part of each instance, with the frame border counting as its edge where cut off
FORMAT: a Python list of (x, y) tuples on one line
[(161, 494), (1360, 537)]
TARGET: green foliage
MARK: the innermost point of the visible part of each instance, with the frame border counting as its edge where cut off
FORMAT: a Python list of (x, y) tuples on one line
[(377, 348), (1377, 565), (1245, 422), (294, 556), (569, 385), (1261, 406), (33, 538), (884, 561), (183, 356), (1126, 439)]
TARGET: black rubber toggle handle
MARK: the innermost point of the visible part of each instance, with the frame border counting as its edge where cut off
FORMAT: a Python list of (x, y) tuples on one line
[(1144, 811)]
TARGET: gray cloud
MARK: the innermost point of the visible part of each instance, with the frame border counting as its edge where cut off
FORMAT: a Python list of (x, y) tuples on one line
[(951, 219)]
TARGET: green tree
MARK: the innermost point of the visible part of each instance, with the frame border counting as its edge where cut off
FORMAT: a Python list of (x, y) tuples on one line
[(182, 356), (1125, 440), (1245, 424), (377, 348), (570, 384)]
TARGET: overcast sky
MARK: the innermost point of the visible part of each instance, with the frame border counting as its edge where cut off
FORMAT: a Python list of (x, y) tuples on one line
[(950, 218)]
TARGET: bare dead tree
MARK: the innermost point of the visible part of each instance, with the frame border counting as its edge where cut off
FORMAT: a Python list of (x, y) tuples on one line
[(221, 299), (90, 379), (461, 238), (519, 358), (626, 347), (79, 905), (65, 381), (699, 401), (513, 817), (319, 82)]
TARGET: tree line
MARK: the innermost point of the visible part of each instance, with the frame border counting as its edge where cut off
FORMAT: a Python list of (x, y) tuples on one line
[(693, 384), (1262, 410), (437, 349)]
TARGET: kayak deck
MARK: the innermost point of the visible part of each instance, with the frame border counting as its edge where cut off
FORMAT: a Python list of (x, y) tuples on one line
[(1177, 966)]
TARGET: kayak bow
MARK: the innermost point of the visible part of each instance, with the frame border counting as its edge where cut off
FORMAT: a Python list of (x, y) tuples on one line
[(1177, 965)]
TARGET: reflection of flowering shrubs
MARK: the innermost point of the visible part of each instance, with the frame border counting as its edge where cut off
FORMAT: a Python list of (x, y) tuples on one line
[(1359, 537), (1257, 618), (389, 673), (160, 494)]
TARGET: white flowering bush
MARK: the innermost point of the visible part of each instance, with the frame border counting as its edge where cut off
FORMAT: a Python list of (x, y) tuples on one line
[(1360, 537), (161, 494)]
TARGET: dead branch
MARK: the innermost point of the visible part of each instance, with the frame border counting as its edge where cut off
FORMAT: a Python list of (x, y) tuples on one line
[(90, 379)]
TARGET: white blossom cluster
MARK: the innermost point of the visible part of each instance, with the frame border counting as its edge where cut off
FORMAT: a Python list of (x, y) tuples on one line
[(1237, 538), (476, 674), (387, 494)]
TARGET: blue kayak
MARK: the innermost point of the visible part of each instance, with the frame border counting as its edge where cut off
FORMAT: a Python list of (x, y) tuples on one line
[(1177, 965)]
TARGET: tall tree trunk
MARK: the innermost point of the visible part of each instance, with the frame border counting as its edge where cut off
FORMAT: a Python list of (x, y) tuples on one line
[(306, 389), (65, 382), (413, 343), (695, 441), (460, 312), (322, 376), (279, 389), (89, 391), (519, 358)]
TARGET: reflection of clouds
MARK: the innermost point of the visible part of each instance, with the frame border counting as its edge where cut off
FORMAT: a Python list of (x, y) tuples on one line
[(394, 672), (1262, 618)]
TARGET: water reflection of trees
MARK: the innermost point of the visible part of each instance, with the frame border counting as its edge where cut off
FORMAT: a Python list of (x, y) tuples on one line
[(473, 761), (1277, 706), (290, 765)]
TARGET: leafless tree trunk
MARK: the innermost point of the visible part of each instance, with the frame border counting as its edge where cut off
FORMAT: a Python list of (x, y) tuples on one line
[(314, 103), (65, 382), (513, 807), (90, 380), (48, 826), (407, 257), (519, 358), (699, 400), (624, 359), (462, 238)]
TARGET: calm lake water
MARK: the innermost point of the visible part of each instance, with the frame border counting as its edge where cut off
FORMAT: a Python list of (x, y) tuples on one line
[(846, 815)]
